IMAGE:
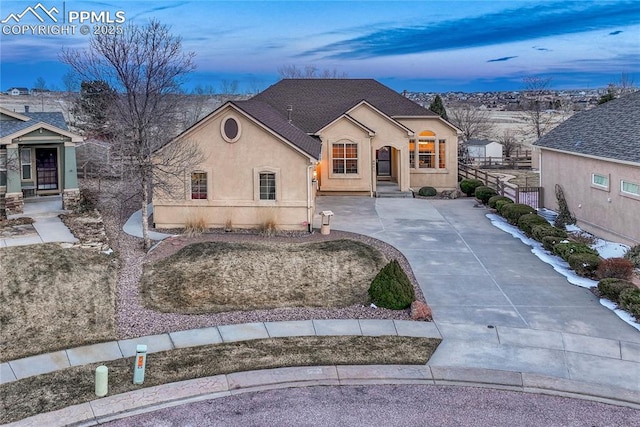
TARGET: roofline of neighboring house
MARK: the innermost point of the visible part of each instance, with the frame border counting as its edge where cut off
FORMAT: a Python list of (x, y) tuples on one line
[(201, 122), (15, 115), (8, 138), (589, 156)]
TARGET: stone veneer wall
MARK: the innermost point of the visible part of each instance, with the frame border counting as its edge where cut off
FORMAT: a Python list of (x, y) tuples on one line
[(71, 199), (13, 203)]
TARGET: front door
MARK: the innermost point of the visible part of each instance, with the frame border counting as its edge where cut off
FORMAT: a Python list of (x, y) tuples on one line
[(47, 168), (383, 162)]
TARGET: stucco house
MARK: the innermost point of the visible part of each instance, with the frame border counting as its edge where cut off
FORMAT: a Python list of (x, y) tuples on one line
[(268, 156), (37, 157), (595, 157)]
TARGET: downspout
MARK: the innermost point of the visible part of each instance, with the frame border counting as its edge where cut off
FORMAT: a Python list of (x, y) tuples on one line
[(309, 216)]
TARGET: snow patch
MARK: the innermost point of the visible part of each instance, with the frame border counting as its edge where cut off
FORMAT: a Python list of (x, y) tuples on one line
[(562, 267)]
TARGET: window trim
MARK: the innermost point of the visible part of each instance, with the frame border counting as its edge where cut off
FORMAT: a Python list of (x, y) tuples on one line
[(599, 186), (256, 184), (222, 126), (30, 164), (206, 186), (627, 193), (344, 142)]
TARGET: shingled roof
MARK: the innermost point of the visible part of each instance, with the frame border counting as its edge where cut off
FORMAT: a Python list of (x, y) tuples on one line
[(610, 130), (8, 127), (317, 102), (278, 123)]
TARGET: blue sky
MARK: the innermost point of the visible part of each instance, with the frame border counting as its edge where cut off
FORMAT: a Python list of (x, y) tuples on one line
[(414, 45)]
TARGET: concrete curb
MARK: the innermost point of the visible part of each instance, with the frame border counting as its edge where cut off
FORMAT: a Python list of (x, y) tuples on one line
[(169, 395)]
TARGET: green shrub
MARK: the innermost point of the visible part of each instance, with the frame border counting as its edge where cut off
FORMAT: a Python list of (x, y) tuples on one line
[(484, 193), (528, 221), (512, 212), (541, 231), (550, 242), (630, 301), (468, 186), (611, 288), (502, 203), (494, 199), (565, 250), (427, 191), (619, 268), (391, 288), (633, 255), (584, 264)]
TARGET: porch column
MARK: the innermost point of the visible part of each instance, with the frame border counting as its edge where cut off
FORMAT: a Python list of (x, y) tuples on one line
[(70, 173), (14, 184), (403, 176), (374, 171)]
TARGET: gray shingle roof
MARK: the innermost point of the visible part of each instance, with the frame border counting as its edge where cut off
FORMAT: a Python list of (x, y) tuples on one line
[(317, 102), (478, 142), (610, 130), (8, 127), (278, 123)]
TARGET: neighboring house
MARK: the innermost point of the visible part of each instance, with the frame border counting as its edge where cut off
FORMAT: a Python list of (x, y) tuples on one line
[(267, 156), (16, 91), (483, 148), (595, 157), (37, 157)]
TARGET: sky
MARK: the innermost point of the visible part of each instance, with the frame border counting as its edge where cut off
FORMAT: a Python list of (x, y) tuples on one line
[(428, 46)]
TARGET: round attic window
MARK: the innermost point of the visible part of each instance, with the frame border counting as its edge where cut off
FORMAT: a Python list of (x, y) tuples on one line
[(230, 129)]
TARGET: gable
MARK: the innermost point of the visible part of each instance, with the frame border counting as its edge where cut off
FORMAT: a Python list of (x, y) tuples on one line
[(610, 130), (315, 103)]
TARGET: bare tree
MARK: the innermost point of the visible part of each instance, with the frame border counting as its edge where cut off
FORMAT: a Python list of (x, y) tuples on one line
[(309, 72), (535, 102), (40, 84), (70, 82), (509, 142), (229, 87), (473, 122), (145, 65)]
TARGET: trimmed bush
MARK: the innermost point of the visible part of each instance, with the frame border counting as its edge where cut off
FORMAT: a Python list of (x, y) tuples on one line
[(611, 288), (427, 191), (549, 242), (494, 199), (566, 249), (584, 264), (484, 193), (391, 288), (502, 203), (633, 255), (541, 231), (468, 186), (528, 221), (619, 268), (630, 301), (512, 212)]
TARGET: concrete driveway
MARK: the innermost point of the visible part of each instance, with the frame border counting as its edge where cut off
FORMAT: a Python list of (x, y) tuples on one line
[(495, 303)]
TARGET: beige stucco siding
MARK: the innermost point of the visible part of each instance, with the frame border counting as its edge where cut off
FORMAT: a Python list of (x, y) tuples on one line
[(441, 179), (606, 212), (232, 180)]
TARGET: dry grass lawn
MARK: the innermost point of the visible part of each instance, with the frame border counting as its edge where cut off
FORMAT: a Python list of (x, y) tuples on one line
[(75, 385), (53, 298), (214, 277)]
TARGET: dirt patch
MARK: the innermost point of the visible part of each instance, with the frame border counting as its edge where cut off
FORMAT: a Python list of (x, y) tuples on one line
[(72, 386), (520, 177), (214, 277), (17, 227)]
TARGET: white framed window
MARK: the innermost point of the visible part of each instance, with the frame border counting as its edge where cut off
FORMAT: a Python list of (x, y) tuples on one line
[(199, 187), (344, 157), (25, 162), (600, 181), (631, 188), (267, 186)]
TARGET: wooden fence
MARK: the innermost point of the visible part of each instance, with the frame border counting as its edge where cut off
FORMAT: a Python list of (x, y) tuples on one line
[(531, 196), (517, 160)]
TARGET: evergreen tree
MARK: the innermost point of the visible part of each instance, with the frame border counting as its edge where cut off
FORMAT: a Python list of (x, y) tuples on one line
[(438, 107)]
